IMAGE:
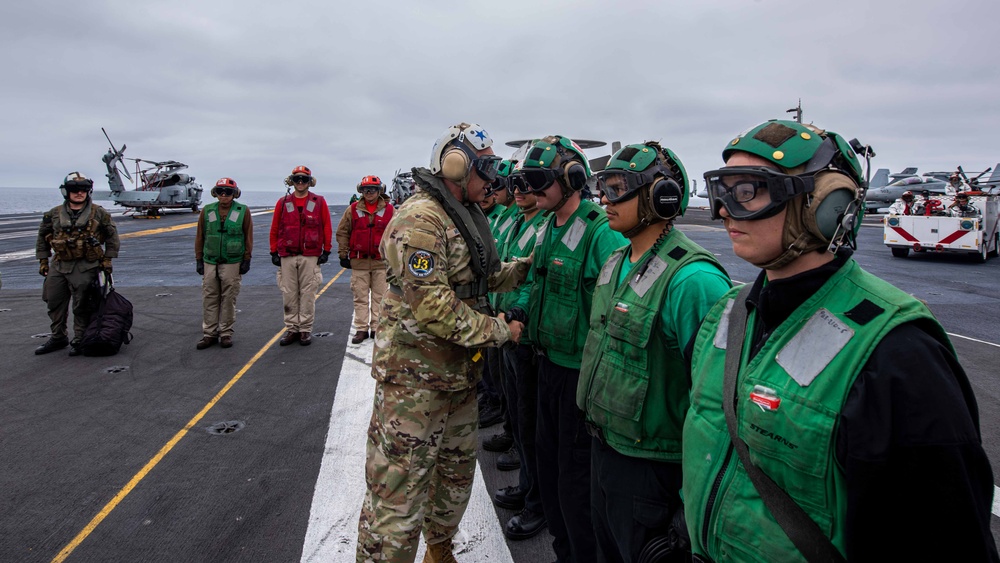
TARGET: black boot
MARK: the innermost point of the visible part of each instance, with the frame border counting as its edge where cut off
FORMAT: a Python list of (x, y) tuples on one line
[(75, 349), (52, 344)]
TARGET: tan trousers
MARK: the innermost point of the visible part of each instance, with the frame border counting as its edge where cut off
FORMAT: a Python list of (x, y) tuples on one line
[(219, 287), (299, 278), (368, 285)]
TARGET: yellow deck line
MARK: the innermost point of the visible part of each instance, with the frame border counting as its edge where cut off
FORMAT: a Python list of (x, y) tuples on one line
[(168, 229), (138, 477)]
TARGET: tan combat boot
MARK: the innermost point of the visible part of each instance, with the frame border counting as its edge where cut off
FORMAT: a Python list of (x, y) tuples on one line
[(440, 553)]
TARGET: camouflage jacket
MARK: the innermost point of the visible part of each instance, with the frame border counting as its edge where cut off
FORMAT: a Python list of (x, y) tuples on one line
[(92, 237), (427, 337)]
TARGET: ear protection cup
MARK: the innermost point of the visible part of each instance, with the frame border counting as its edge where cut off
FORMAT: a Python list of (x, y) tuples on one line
[(574, 175), (455, 163), (665, 197), (832, 200)]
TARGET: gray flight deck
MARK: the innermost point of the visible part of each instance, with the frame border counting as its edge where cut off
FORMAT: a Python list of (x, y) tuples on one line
[(111, 459)]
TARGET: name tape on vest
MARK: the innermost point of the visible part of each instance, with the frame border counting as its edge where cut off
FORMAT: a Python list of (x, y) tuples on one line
[(814, 347)]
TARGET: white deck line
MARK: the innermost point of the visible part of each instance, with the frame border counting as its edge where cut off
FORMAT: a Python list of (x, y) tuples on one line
[(340, 487)]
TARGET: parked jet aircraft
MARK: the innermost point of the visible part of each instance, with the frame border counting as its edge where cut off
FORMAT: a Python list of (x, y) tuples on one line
[(886, 188)]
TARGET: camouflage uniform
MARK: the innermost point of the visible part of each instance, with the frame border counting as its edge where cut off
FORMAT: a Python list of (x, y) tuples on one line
[(78, 248), (423, 433)]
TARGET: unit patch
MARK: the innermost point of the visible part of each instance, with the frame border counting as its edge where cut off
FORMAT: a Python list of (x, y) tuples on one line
[(421, 263)]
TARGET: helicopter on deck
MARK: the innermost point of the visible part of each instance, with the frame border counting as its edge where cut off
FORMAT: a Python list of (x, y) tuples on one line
[(157, 185)]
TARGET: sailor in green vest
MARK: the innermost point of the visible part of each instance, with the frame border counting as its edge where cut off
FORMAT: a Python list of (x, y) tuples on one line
[(856, 429), (649, 300), (520, 379), (223, 244), (492, 409), (504, 197), (571, 246)]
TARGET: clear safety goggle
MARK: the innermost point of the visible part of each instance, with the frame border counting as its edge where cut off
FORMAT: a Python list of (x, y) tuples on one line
[(733, 187), (621, 185)]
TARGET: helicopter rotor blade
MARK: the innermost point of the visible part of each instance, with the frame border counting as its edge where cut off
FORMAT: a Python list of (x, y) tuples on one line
[(125, 172)]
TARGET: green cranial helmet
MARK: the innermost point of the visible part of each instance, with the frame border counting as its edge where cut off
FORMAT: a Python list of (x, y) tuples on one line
[(506, 168), (556, 158), (790, 144), (817, 179), (643, 165)]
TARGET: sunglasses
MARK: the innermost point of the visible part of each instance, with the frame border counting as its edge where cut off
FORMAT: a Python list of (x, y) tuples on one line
[(224, 191), (301, 179)]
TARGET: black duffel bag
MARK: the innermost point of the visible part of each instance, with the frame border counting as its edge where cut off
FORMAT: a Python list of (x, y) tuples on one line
[(110, 325)]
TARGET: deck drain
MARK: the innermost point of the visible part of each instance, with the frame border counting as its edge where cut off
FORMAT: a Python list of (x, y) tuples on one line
[(164, 294), (115, 369), (322, 334), (228, 427)]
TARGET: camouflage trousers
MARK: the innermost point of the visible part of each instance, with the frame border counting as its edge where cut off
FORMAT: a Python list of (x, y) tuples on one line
[(421, 460)]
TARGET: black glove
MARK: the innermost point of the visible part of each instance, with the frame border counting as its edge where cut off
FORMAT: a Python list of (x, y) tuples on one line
[(106, 265), (199, 267), (275, 259), (324, 258), (345, 263), (244, 266), (517, 314), (43, 267)]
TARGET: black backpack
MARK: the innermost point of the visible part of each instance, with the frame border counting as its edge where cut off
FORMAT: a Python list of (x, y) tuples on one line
[(110, 325)]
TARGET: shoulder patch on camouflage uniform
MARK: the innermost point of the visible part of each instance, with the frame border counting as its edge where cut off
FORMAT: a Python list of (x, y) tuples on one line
[(420, 239), (420, 263)]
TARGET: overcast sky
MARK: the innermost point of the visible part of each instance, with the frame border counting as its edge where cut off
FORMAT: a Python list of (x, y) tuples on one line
[(250, 89)]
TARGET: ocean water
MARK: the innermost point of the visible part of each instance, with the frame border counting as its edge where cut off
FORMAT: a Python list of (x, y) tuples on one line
[(36, 200)]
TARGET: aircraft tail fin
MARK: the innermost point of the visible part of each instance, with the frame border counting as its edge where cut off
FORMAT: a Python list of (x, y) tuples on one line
[(911, 170), (881, 178), (994, 182), (995, 176)]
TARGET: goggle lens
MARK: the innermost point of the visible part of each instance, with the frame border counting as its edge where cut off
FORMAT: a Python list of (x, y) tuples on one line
[(487, 167), (538, 179), (301, 179), (370, 189), (617, 186), (78, 188), (225, 191), (518, 184)]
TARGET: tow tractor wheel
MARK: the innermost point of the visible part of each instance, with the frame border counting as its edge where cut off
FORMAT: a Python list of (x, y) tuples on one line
[(900, 252), (996, 245), (983, 254)]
